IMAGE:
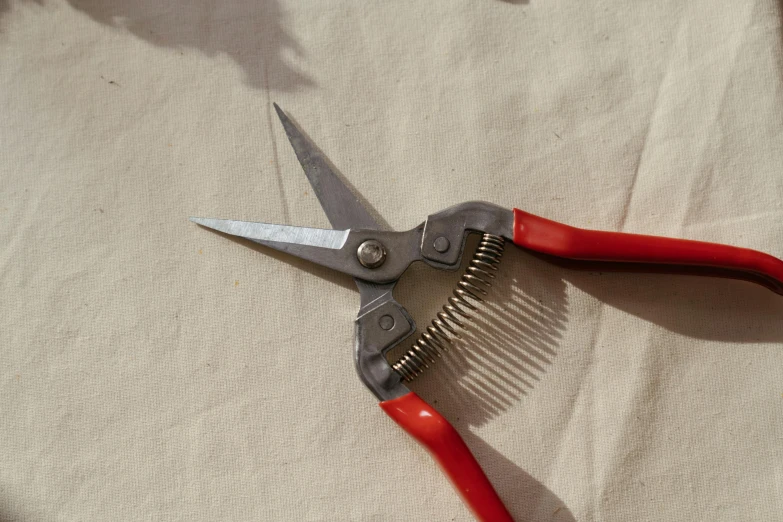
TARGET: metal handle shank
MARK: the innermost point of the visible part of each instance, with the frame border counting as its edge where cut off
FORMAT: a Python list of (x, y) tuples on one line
[(636, 252), (448, 449)]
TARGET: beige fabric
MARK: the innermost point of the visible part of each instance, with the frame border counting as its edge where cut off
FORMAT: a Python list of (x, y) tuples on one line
[(151, 370)]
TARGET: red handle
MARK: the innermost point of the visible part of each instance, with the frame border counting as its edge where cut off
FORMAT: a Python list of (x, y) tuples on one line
[(446, 446), (633, 251)]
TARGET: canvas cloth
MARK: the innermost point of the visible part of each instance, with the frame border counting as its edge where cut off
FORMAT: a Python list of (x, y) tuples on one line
[(152, 370)]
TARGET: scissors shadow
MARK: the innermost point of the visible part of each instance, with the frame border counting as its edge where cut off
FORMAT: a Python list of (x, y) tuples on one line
[(703, 308)]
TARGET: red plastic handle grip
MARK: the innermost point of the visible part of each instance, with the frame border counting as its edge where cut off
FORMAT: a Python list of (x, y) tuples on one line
[(634, 251), (446, 446)]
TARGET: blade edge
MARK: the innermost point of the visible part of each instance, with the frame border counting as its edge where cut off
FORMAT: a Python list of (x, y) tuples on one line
[(317, 237)]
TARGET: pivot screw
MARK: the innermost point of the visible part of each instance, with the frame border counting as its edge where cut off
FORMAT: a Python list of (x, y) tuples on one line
[(371, 253), (441, 244), (386, 322)]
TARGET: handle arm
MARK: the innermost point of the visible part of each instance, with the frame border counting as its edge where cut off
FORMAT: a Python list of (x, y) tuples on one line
[(439, 437), (615, 250)]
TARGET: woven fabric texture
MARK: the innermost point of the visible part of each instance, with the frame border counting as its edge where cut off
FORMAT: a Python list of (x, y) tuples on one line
[(152, 370)]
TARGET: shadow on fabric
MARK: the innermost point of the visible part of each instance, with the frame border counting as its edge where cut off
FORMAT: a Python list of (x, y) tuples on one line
[(248, 31), (525, 497), (699, 307)]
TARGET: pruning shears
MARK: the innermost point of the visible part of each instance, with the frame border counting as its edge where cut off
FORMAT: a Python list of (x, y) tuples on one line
[(376, 258)]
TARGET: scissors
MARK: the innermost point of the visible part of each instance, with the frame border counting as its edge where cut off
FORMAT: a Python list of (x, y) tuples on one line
[(376, 258)]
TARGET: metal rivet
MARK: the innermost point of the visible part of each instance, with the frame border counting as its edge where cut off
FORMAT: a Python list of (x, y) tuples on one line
[(386, 322), (371, 253), (441, 244)]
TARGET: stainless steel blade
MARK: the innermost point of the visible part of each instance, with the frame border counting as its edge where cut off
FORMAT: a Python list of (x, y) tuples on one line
[(335, 249), (340, 204), (263, 232)]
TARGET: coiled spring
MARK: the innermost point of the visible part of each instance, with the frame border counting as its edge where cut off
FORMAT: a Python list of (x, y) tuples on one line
[(473, 284)]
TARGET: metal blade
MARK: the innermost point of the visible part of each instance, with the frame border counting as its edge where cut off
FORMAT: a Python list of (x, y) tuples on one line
[(266, 232), (335, 249), (341, 206)]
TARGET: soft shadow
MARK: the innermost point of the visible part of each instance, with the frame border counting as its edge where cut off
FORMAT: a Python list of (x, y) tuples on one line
[(250, 32)]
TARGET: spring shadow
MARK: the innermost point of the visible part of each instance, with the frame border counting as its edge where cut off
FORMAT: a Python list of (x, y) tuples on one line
[(250, 32), (507, 347), (510, 345)]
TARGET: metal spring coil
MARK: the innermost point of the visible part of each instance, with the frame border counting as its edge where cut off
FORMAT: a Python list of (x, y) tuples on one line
[(472, 285)]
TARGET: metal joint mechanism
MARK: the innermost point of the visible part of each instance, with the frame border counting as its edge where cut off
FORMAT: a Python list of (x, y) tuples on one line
[(371, 253), (443, 240), (378, 330)]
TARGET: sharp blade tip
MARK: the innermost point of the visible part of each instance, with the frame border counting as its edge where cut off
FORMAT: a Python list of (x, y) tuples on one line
[(280, 113), (212, 224)]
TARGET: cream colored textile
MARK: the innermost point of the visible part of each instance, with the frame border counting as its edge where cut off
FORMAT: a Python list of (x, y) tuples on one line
[(152, 370)]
